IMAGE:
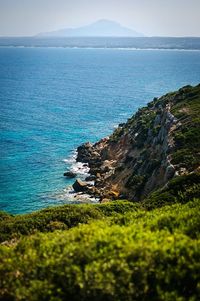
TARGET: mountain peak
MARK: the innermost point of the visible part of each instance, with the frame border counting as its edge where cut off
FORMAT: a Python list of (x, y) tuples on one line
[(100, 28), (106, 21)]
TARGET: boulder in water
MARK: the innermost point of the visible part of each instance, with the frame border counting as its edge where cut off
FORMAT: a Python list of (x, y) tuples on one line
[(69, 174), (80, 186)]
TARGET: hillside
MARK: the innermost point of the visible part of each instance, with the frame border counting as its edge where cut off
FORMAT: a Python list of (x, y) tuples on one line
[(159, 143), (147, 248)]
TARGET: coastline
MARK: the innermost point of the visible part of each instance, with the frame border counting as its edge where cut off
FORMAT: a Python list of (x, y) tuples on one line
[(142, 154)]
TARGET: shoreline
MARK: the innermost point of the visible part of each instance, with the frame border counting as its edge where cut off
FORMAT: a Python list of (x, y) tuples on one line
[(139, 157), (80, 171)]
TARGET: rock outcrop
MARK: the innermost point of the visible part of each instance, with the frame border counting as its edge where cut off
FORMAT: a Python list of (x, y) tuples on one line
[(147, 151), (80, 186), (69, 174)]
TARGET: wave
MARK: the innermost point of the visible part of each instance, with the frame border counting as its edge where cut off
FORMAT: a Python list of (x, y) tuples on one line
[(69, 196), (79, 168)]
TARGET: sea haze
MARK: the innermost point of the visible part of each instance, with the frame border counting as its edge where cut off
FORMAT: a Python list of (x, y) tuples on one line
[(100, 28), (54, 99)]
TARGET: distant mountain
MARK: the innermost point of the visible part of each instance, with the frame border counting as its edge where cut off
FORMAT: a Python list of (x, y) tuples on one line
[(101, 28)]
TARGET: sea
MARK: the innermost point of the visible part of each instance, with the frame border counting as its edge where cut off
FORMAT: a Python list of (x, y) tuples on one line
[(52, 99)]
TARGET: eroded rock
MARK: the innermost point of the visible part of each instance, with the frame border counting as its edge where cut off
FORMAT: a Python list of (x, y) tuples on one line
[(80, 186)]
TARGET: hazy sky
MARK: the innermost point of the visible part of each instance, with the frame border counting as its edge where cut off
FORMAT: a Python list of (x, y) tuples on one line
[(151, 17)]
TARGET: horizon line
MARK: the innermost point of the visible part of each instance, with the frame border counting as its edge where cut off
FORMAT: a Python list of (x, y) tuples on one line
[(53, 37)]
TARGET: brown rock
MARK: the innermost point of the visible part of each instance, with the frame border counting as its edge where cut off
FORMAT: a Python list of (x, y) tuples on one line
[(80, 186), (105, 200)]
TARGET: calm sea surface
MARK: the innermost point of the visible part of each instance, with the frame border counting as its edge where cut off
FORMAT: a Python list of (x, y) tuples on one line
[(54, 99)]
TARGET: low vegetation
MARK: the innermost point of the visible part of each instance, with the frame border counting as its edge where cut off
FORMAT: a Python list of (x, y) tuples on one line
[(135, 255), (178, 190), (58, 218), (187, 138)]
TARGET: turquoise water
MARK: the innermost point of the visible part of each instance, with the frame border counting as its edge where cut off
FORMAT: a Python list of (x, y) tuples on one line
[(54, 99)]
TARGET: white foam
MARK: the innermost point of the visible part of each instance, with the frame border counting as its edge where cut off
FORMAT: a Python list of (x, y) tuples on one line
[(72, 158), (68, 195), (79, 168)]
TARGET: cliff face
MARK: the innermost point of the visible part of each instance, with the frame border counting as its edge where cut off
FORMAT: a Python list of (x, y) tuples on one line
[(159, 142)]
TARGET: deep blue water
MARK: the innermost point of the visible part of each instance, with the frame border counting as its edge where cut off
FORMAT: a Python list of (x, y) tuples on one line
[(53, 99)]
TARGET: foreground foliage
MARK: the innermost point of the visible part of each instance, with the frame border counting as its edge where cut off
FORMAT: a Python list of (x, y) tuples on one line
[(58, 218), (135, 255)]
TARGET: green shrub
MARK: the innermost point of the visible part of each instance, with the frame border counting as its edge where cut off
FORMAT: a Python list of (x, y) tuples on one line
[(4, 216), (27, 224), (152, 256), (186, 158), (178, 190), (117, 134), (136, 182), (183, 217), (61, 217)]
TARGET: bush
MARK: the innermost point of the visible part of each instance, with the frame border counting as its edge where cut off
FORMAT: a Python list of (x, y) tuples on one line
[(61, 217), (178, 190), (4, 216), (152, 256)]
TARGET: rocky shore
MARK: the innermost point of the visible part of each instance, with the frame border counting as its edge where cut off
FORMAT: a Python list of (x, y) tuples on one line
[(144, 153)]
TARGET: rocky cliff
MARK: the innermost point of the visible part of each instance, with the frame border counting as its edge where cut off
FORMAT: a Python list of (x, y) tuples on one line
[(160, 142)]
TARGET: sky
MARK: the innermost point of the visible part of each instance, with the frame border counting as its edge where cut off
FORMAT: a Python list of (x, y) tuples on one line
[(150, 17)]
